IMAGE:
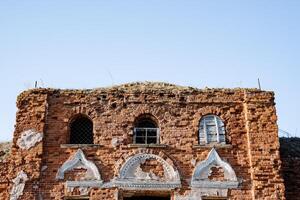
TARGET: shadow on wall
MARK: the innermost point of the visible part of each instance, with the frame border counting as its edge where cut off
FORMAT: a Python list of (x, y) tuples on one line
[(290, 157)]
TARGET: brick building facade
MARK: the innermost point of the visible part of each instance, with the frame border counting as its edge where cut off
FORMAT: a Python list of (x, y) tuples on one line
[(144, 141)]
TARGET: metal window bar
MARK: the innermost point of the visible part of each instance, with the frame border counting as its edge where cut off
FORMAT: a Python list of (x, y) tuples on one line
[(147, 131), (217, 129), (81, 131), (205, 131)]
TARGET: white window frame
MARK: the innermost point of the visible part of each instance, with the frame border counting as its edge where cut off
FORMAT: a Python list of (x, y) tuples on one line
[(146, 136), (206, 134)]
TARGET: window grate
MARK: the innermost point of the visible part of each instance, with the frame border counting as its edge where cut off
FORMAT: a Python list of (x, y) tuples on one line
[(146, 135), (81, 131)]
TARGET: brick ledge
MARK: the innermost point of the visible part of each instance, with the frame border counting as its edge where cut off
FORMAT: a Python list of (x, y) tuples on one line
[(209, 146), (147, 145), (80, 145)]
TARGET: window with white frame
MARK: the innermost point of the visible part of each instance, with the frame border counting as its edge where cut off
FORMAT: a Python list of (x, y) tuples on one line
[(211, 130)]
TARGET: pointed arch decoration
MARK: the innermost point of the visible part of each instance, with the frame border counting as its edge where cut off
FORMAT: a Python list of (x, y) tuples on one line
[(92, 177), (203, 170)]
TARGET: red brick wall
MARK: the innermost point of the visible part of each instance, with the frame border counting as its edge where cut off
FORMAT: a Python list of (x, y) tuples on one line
[(249, 116)]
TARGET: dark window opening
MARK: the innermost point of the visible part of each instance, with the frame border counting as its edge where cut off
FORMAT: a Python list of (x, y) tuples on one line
[(146, 132), (145, 123), (81, 131)]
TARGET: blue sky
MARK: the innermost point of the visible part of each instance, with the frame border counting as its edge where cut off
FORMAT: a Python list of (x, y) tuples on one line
[(88, 44)]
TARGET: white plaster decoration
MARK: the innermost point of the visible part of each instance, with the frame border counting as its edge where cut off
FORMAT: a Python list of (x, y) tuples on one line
[(90, 183), (84, 187), (29, 139), (92, 177), (19, 184), (116, 195), (78, 161), (84, 190), (193, 162), (199, 193), (132, 177), (203, 170), (141, 175), (116, 142)]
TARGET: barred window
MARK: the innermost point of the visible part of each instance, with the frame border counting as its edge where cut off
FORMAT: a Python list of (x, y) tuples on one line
[(146, 132), (211, 130), (81, 131)]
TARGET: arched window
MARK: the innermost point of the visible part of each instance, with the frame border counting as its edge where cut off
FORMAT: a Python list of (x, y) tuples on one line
[(145, 131), (81, 131), (211, 130)]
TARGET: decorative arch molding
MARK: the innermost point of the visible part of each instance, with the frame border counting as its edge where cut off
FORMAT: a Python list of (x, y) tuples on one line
[(92, 177), (131, 176), (203, 169), (78, 160)]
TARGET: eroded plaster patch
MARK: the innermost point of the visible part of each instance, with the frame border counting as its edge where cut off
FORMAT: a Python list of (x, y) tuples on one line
[(115, 142), (29, 138), (92, 177), (203, 170), (18, 186), (79, 161), (199, 193)]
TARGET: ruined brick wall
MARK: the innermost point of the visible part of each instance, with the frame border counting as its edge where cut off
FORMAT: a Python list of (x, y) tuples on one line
[(252, 148), (262, 146), (31, 115), (4, 181)]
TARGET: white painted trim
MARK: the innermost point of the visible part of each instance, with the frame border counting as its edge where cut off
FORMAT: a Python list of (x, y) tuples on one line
[(131, 178), (202, 170), (79, 161)]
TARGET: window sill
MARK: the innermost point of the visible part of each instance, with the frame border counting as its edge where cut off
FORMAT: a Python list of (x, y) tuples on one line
[(209, 146), (76, 197), (148, 145), (80, 145)]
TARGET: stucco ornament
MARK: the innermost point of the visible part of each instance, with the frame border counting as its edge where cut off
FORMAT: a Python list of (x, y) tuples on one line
[(92, 177), (203, 186), (132, 177), (200, 193), (19, 184), (115, 142), (29, 138), (203, 170)]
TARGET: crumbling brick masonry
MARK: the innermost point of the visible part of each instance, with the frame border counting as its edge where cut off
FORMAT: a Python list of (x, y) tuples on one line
[(144, 141)]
